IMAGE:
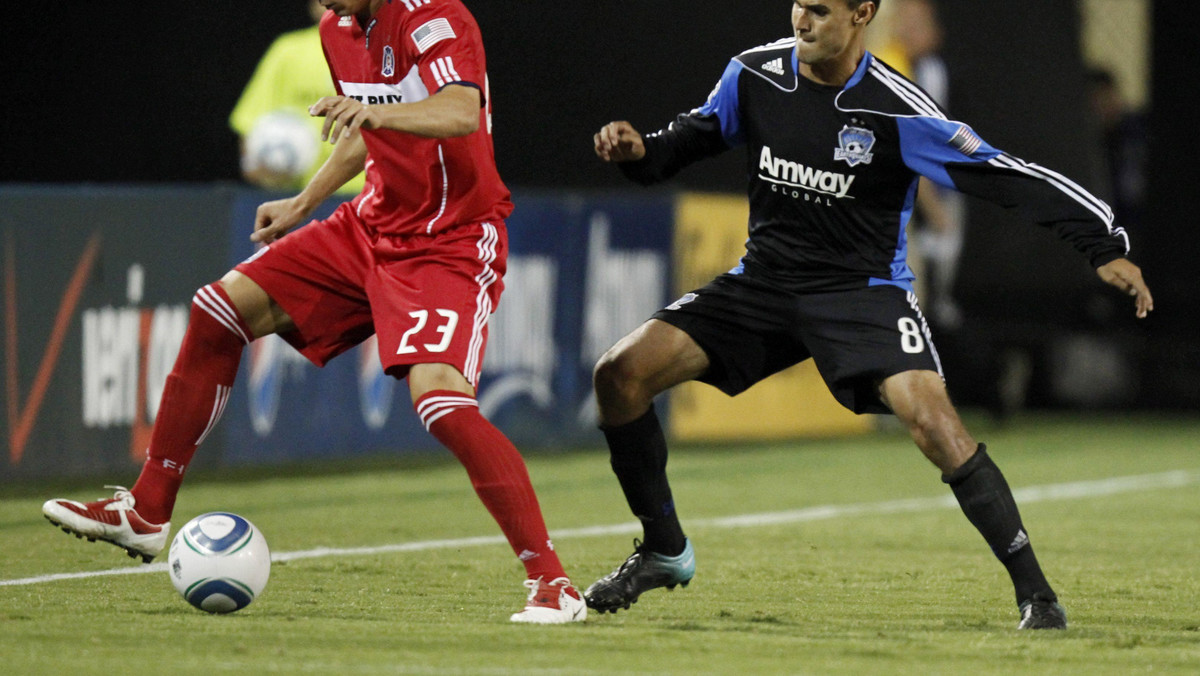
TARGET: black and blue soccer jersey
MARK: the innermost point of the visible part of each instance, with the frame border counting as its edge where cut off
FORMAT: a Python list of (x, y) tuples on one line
[(833, 171)]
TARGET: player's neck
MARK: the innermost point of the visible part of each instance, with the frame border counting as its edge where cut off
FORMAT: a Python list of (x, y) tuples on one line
[(372, 8), (835, 71)]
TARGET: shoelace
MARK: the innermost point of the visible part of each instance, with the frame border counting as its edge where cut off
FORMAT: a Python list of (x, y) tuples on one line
[(534, 585), (122, 494), (632, 561)]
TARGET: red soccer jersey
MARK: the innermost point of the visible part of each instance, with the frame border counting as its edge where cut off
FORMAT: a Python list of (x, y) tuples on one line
[(409, 50)]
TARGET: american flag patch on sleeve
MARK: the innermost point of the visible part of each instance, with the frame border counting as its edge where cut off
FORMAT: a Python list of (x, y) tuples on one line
[(965, 141), (431, 33)]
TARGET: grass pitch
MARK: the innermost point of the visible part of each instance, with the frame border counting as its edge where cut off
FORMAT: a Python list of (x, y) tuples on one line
[(849, 560)]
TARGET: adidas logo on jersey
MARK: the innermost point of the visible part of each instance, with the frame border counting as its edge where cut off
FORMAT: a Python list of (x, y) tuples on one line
[(774, 66)]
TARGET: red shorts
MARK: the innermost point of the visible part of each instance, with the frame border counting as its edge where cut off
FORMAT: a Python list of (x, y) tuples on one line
[(428, 297)]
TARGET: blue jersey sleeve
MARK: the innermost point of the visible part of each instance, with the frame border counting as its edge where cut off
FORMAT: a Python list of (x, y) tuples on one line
[(950, 154), (929, 144), (723, 103)]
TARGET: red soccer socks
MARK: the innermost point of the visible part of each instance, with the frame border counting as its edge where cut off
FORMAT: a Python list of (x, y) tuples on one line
[(193, 399), (497, 473)]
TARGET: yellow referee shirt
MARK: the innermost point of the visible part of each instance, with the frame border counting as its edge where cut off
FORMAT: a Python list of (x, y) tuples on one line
[(292, 75)]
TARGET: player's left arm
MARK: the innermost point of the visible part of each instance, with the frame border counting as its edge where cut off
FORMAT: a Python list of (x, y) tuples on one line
[(950, 154), (1124, 275)]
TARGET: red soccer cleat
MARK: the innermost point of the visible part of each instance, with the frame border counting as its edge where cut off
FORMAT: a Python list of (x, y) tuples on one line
[(112, 520), (554, 602)]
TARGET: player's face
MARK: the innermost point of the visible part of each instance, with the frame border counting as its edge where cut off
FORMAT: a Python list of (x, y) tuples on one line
[(348, 7), (824, 29)]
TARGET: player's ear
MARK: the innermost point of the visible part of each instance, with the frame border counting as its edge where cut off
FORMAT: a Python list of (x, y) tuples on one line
[(864, 13)]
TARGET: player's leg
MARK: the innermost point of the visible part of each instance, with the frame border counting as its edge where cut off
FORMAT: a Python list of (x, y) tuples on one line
[(290, 278), (653, 358), (435, 334), (446, 404), (730, 333), (875, 352), (225, 317), (919, 399)]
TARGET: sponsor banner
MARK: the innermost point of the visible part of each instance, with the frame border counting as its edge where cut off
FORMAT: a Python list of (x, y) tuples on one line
[(584, 271), (710, 235), (96, 289)]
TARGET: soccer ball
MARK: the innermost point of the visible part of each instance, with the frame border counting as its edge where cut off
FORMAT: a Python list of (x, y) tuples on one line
[(219, 562), (283, 144)]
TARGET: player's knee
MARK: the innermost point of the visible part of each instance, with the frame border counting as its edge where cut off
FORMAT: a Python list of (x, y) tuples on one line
[(607, 375), (935, 422), (214, 315), (615, 378), (940, 435), (251, 305), (926, 421), (426, 378)]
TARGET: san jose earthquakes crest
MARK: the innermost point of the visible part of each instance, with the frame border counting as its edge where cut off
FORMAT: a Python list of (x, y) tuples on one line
[(855, 145)]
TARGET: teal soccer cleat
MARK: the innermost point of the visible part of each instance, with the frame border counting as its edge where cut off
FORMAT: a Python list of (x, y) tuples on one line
[(642, 571)]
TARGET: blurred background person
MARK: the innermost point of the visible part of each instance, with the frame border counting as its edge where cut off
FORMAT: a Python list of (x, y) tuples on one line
[(936, 230), (1123, 142), (279, 142)]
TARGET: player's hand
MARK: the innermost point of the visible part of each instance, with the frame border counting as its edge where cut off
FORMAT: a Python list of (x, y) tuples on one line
[(1127, 277), (619, 142), (344, 116), (274, 219)]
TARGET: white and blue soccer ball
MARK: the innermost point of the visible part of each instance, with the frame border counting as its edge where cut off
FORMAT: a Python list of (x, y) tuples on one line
[(219, 562), (282, 143)]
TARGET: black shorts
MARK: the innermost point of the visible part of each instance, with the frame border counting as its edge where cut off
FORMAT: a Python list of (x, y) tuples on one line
[(857, 338)]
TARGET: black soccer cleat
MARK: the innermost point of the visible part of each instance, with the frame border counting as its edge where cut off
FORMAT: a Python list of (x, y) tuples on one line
[(1042, 611), (642, 571)]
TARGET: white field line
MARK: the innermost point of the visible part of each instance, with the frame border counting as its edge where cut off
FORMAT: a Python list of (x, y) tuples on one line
[(1064, 491)]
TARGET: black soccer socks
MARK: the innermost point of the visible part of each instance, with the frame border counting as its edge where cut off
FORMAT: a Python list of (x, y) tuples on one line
[(988, 502), (639, 459)]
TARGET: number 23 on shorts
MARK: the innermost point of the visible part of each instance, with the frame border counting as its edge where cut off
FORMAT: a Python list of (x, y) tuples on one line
[(445, 322)]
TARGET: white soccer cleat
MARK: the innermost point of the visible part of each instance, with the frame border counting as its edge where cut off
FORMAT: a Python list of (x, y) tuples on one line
[(112, 520), (554, 602)]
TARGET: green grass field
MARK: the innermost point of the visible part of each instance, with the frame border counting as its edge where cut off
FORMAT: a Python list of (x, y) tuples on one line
[(887, 580)]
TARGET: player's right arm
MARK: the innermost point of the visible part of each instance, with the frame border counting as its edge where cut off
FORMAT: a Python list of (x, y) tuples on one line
[(451, 111), (704, 132), (619, 142), (273, 219)]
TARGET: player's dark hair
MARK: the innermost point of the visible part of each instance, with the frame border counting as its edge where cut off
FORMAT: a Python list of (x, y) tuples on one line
[(855, 4)]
